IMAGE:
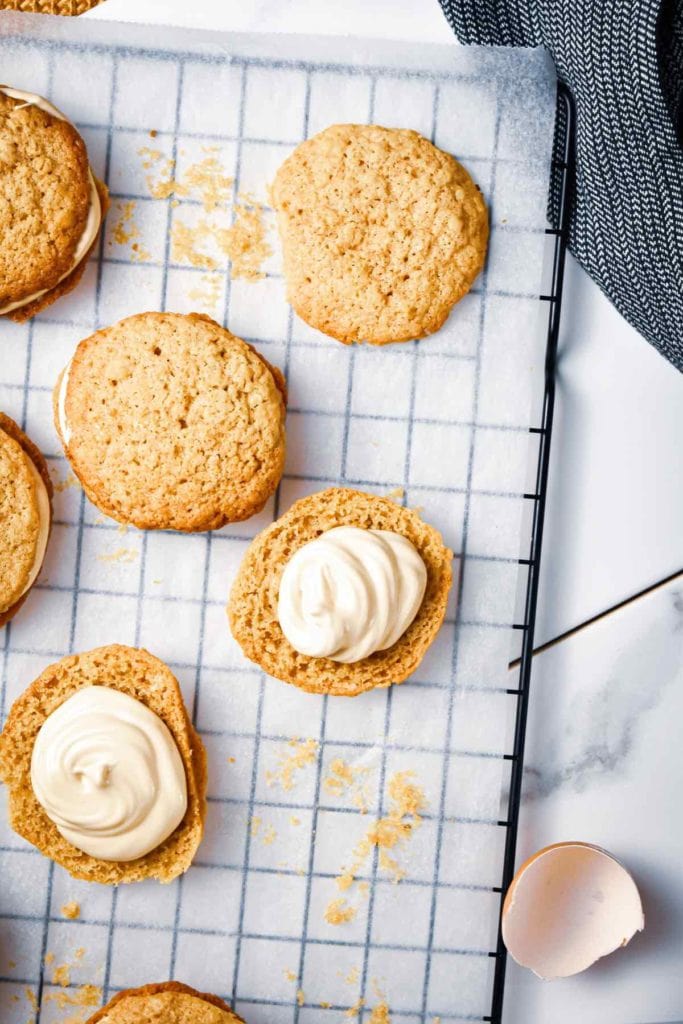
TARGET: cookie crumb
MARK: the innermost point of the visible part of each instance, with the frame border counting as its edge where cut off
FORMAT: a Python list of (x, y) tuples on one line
[(62, 975), (344, 778), (231, 760), (153, 133), (398, 493), (325, 1004), (256, 825), (289, 974), (354, 1010), (123, 556), (244, 243), (63, 485), (303, 753), (294, 820), (300, 997), (269, 836), (353, 975), (380, 1014), (339, 912), (406, 801), (208, 295), (71, 910)]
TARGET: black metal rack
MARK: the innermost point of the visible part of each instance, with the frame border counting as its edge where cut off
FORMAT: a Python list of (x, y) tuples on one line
[(561, 198)]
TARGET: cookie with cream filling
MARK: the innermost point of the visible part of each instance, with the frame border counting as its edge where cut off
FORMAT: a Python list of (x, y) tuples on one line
[(106, 774), (51, 204), (357, 612), (25, 516)]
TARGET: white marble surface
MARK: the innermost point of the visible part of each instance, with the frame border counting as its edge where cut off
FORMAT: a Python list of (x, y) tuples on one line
[(604, 749), (604, 765)]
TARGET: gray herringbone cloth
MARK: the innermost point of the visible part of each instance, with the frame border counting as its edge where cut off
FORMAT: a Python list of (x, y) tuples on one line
[(623, 63)]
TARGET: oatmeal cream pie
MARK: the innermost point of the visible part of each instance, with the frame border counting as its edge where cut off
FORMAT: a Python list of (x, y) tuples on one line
[(25, 516), (51, 204)]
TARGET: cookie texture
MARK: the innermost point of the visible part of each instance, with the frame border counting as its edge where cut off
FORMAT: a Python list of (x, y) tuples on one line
[(252, 608), (19, 514), (382, 233), (65, 7), (139, 674), (45, 198), (166, 1002), (173, 422)]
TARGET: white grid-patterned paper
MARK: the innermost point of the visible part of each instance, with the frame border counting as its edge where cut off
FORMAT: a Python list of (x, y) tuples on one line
[(446, 419)]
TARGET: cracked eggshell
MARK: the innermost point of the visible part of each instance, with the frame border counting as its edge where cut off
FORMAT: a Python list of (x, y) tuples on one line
[(568, 906)]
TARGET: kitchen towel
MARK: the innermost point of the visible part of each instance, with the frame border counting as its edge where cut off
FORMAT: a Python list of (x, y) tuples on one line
[(623, 63)]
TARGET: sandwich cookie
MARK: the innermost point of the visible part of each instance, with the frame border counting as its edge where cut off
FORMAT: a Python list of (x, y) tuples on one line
[(51, 204), (382, 233), (343, 593), (106, 775), (171, 422), (25, 516), (168, 1002)]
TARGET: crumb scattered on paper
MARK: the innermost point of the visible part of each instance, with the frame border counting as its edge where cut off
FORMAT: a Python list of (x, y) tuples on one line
[(289, 974), (126, 231), (339, 912), (208, 293), (231, 760), (294, 820), (268, 835), (354, 1010), (398, 493), (297, 756), (122, 556), (406, 802), (62, 975), (352, 976), (71, 910), (380, 1014), (300, 997), (243, 244), (63, 484), (345, 779)]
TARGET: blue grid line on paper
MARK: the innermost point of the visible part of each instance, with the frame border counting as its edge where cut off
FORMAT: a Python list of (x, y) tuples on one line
[(245, 987)]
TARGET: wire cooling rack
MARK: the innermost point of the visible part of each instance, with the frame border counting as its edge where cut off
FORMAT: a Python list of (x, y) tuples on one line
[(457, 425)]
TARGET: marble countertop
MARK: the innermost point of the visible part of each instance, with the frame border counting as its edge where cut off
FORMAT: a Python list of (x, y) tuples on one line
[(604, 761)]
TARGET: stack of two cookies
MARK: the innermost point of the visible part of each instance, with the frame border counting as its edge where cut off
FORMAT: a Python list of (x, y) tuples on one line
[(171, 422)]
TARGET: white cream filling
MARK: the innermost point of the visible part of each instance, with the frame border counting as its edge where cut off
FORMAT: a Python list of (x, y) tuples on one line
[(92, 224), (108, 773), (350, 592), (64, 428)]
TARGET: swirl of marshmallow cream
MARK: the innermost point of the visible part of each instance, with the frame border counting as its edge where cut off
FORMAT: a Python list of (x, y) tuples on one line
[(107, 772), (350, 592)]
